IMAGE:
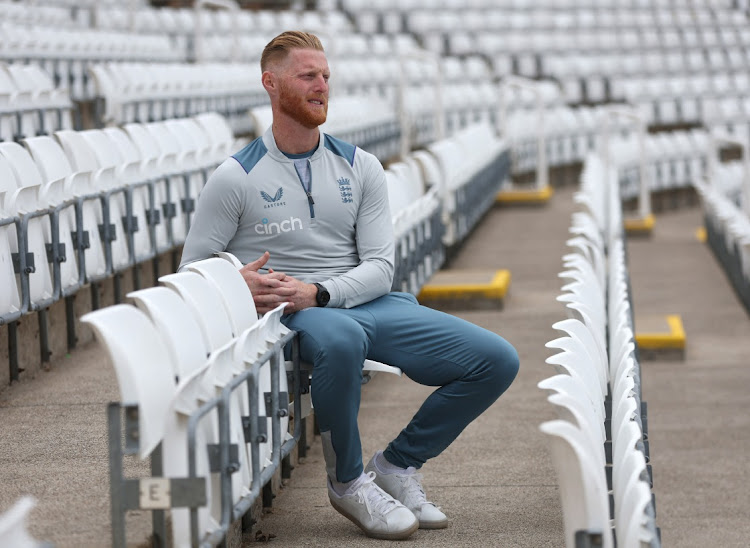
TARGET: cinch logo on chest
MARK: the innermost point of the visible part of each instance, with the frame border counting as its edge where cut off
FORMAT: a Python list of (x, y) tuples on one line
[(273, 201), (287, 225), (345, 189)]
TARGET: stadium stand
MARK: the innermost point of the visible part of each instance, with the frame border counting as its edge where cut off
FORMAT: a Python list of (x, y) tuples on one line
[(599, 444), (88, 196)]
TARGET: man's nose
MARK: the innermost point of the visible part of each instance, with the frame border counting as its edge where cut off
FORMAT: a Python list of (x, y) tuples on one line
[(321, 83)]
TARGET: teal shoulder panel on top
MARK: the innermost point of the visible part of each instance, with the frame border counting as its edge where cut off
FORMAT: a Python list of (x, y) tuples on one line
[(341, 148), (251, 154)]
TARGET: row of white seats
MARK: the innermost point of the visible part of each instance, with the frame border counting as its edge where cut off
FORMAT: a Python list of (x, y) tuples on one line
[(687, 62), (66, 53), (35, 42), (598, 362), (709, 23), (417, 221), (674, 160), (147, 92), (248, 47), (525, 5), (473, 164), (368, 121), (202, 372), (24, 13), (77, 207), (572, 132), (725, 199), (620, 40), (183, 21), (30, 104)]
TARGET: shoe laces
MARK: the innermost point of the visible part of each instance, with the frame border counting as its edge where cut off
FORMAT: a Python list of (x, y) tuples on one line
[(413, 494), (373, 497)]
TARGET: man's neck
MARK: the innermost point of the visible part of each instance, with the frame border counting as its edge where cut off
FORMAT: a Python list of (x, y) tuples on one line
[(293, 138)]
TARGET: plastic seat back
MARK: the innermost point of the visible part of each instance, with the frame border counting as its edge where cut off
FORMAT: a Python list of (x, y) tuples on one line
[(235, 295), (142, 363), (202, 298)]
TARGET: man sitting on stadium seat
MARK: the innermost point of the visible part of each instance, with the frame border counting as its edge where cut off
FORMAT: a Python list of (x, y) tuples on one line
[(321, 206)]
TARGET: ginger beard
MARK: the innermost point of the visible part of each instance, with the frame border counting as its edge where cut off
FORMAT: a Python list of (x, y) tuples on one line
[(300, 109)]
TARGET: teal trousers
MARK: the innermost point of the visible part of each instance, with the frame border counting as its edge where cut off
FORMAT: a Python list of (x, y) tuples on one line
[(470, 366)]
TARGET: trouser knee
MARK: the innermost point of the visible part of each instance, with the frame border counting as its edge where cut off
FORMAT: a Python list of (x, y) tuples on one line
[(500, 369)]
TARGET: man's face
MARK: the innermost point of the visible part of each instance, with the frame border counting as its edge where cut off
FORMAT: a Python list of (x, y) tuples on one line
[(303, 87)]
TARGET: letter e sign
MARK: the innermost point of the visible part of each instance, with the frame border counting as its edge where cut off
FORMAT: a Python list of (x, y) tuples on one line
[(155, 493)]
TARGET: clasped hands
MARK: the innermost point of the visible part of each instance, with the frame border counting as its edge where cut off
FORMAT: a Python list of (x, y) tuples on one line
[(271, 289)]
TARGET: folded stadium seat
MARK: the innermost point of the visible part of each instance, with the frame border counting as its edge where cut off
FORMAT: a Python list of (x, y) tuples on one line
[(11, 298), (57, 189), (105, 183), (234, 292), (13, 528), (217, 278), (187, 161), (138, 202), (52, 104), (572, 405), (220, 135), (193, 137), (169, 186), (201, 297), (141, 90), (36, 277), (21, 116), (146, 380), (583, 486), (224, 364), (144, 175), (109, 95)]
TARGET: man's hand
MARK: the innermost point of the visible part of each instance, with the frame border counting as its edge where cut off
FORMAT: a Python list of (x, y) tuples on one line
[(298, 294), (267, 290), (272, 289)]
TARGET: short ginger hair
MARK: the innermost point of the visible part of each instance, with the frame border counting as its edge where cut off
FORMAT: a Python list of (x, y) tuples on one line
[(278, 48)]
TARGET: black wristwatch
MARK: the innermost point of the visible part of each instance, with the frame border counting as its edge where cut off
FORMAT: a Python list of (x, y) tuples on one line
[(323, 296)]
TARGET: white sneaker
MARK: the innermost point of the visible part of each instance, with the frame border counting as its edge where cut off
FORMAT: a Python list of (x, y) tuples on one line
[(407, 488), (373, 510)]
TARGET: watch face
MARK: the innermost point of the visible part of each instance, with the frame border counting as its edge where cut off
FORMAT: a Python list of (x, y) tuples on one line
[(323, 296)]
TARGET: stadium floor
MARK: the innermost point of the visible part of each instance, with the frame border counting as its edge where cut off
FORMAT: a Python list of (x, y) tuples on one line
[(496, 482)]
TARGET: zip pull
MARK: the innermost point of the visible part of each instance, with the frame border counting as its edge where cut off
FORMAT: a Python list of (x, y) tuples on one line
[(310, 199)]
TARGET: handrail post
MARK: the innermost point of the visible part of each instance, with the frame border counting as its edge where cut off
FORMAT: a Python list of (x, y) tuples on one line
[(644, 193), (439, 105), (542, 168)]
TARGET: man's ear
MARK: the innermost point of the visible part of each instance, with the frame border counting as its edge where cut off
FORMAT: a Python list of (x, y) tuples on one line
[(268, 79)]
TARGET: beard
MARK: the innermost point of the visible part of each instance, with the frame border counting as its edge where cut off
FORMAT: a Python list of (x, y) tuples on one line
[(300, 110)]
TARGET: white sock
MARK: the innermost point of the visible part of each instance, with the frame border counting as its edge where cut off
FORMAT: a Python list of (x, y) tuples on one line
[(385, 467), (342, 488)]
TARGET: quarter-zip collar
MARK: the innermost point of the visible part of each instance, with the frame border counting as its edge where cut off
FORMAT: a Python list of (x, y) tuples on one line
[(276, 154)]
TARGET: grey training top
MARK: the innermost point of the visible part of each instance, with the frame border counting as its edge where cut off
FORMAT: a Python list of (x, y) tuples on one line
[(340, 234)]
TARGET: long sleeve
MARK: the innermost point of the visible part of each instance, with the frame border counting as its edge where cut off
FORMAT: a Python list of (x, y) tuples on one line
[(217, 213), (373, 276)]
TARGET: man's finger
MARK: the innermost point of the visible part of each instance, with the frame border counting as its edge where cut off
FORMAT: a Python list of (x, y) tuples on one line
[(258, 263)]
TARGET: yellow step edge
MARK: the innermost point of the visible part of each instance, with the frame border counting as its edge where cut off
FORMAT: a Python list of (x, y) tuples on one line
[(497, 288), (524, 196), (674, 339), (643, 225)]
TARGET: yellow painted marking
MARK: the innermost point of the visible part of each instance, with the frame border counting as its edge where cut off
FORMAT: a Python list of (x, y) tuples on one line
[(521, 196), (674, 338), (700, 234), (497, 288), (640, 225)]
